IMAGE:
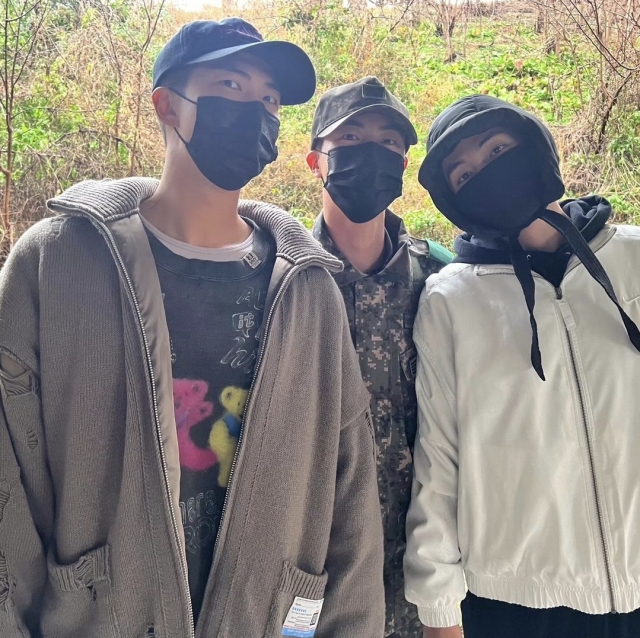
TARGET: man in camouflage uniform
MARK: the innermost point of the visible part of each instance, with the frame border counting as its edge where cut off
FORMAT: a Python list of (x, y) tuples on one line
[(360, 136)]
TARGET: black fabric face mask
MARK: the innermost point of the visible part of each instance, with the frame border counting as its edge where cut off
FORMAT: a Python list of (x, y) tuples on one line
[(505, 194), (364, 179), (232, 141)]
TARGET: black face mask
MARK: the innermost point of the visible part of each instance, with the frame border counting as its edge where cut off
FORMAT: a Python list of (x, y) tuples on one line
[(364, 179), (505, 194), (232, 141)]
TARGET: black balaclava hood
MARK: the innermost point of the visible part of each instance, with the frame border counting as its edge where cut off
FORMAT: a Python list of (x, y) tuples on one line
[(475, 114)]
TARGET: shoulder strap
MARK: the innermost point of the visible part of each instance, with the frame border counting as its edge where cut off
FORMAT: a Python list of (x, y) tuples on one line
[(439, 253)]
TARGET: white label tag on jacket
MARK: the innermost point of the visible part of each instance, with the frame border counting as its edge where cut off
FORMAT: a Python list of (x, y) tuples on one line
[(302, 619)]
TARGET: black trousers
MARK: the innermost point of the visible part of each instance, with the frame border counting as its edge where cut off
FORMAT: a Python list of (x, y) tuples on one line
[(485, 618)]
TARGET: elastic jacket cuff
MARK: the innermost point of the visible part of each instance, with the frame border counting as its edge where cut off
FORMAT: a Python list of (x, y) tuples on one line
[(440, 616)]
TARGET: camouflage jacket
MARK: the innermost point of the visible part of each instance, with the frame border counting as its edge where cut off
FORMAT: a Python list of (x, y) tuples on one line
[(381, 308)]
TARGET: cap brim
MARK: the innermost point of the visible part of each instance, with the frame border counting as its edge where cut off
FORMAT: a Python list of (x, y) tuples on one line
[(292, 69), (394, 114)]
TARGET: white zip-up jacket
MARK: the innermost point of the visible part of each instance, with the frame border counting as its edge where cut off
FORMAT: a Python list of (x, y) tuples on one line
[(527, 490)]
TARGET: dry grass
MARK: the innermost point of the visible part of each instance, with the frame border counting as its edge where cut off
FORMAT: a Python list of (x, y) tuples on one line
[(90, 87)]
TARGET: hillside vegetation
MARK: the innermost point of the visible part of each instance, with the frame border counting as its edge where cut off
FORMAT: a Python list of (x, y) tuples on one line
[(81, 106)]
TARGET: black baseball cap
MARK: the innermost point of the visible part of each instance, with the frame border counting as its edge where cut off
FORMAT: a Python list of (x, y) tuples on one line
[(337, 105), (207, 40)]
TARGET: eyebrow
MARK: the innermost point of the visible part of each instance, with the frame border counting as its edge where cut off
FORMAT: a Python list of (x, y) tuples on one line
[(234, 69), (393, 127), (483, 141), (354, 122), (453, 167), (489, 136), (387, 127)]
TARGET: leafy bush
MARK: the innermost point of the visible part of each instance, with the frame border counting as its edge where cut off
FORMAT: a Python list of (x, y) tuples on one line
[(85, 109)]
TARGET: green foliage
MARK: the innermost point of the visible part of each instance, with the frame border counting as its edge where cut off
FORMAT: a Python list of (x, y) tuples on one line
[(625, 142), (303, 217), (500, 56), (429, 226), (78, 109)]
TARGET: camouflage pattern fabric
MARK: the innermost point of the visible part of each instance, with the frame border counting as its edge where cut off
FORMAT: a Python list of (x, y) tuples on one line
[(381, 308)]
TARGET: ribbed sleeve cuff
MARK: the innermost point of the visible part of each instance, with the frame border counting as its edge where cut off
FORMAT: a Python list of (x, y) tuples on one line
[(440, 616)]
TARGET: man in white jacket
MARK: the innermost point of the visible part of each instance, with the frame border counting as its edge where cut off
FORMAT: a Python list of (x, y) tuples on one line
[(527, 480)]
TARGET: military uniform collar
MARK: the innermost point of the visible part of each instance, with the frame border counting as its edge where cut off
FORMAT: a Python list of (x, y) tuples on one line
[(397, 242)]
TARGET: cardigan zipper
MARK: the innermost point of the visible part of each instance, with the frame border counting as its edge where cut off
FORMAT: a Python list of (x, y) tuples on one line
[(156, 417)]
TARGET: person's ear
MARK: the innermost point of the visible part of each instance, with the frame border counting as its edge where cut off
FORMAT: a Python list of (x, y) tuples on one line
[(163, 106), (312, 163), (406, 162)]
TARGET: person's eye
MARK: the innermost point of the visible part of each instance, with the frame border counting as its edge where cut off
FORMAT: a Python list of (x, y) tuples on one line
[(232, 84), (271, 99), (350, 137), (390, 142), (498, 149), (465, 177)]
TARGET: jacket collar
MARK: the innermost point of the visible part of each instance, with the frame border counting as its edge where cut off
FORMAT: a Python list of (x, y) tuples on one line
[(398, 265), (106, 201), (598, 242)]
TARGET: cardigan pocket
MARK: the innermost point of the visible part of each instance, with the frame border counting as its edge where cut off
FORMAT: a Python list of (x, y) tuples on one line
[(10, 623), (294, 583), (77, 601)]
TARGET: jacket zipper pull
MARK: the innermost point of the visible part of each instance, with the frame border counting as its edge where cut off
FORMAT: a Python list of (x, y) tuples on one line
[(558, 292)]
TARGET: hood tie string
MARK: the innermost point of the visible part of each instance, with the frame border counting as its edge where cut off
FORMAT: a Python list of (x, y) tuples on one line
[(522, 270), (593, 266)]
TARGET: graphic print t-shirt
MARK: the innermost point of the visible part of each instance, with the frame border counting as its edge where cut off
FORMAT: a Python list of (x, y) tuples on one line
[(214, 313)]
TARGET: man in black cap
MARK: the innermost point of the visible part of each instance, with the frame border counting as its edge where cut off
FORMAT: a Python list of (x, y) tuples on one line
[(185, 439), (527, 482), (360, 136)]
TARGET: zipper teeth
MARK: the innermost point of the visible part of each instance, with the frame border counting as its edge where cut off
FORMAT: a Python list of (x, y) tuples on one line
[(156, 415), (263, 345), (607, 565), (593, 476)]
